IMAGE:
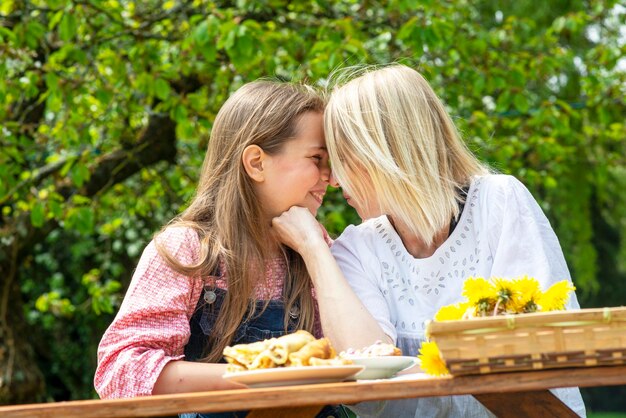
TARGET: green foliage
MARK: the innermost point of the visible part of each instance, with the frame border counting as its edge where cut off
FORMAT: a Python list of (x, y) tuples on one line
[(536, 88)]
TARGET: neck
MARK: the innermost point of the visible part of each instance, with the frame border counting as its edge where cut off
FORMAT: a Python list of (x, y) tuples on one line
[(415, 244)]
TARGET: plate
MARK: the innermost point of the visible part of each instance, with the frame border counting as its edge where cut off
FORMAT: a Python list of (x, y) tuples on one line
[(283, 376), (382, 367)]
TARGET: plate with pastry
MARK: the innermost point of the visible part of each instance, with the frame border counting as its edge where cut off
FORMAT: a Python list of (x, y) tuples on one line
[(298, 375), (293, 359)]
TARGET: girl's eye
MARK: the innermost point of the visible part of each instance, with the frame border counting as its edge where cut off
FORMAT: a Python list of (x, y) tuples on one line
[(317, 157)]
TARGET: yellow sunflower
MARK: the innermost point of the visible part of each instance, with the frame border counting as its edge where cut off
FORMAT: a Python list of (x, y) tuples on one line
[(431, 361), (476, 289), (504, 294), (452, 312), (555, 298), (526, 294)]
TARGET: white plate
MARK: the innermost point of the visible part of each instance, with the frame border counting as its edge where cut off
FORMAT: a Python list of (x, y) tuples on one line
[(283, 376), (382, 367)]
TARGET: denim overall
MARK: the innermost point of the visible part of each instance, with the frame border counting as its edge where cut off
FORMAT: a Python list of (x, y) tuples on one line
[(268, 324)]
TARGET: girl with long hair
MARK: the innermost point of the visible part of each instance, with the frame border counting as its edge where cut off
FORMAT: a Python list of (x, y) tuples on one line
[(216, 275)]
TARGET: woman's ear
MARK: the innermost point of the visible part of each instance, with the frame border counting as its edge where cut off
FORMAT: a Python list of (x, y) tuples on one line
[(252, 158)]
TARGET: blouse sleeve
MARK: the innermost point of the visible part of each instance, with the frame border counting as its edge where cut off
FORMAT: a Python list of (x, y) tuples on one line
[(152, 325), (520, 237), (353, 259)]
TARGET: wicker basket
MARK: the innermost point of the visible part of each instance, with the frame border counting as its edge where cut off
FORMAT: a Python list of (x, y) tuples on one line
[(586, 337)]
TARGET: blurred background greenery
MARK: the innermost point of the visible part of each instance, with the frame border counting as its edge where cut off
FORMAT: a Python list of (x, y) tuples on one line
[(106, 106)]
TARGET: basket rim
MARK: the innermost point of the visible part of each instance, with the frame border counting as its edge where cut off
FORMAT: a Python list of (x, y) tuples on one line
[(574, 317)]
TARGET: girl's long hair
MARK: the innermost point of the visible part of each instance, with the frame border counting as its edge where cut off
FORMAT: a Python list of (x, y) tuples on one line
[(226, 213), (391, 142)]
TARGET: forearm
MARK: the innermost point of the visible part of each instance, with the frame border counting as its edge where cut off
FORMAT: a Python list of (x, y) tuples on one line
[(345, 320), (181, 376)]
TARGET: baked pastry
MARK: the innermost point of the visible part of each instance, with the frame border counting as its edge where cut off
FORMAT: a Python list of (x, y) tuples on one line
[(297, 349)]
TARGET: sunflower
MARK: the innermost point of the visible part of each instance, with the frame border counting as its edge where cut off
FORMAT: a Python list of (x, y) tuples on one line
[(477, 289), (504, 295), (431, 361), (526, 296), (555, 298), (452, 312)]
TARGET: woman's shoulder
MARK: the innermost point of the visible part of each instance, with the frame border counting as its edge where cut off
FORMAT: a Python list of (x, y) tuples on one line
[(364, 230), (496, 182), (362, 239), (495, 188)]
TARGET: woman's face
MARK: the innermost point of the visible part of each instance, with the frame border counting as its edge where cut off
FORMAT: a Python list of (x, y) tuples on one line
[(366, 211), (299, 174)]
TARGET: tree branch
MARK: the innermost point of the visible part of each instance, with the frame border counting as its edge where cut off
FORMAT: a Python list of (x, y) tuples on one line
[(156, 143)]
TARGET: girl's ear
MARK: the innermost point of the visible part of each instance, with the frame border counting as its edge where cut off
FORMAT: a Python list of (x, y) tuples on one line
[(252, 159)]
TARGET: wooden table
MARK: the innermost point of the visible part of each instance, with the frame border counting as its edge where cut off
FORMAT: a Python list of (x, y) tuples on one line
[(519, 394)]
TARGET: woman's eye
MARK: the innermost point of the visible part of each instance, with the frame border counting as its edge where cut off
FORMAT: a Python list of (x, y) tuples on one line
[(317, 157)]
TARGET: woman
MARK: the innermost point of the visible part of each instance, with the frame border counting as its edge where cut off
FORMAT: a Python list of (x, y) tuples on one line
[(433, 216)]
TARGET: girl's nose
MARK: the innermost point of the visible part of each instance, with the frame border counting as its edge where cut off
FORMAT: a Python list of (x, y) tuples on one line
[(325, 174), (332, 180)]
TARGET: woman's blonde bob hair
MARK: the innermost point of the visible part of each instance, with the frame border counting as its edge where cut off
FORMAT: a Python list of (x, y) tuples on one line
[(225, 211), (392, 144)]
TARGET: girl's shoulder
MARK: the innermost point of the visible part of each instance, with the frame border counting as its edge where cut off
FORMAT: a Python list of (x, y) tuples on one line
[(179, 239), (177, 233)]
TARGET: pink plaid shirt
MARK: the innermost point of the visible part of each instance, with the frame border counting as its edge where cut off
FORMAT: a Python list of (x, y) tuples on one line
[(152, 325)]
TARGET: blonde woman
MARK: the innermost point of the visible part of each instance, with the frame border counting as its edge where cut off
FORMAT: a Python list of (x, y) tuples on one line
[(433, 216), (216, 275)]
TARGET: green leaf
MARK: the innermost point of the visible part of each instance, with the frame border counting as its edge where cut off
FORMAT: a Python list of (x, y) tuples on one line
[(56, 4), (81, 219), (52, 81), (67, 27), (503, 101), (521, 103), (55, 19), (179, 113), (79, 173), (6, 7), (162, 89), (201, 33), (406, 31), (35, 32), (37, 215), (479, 85), (7, 35)]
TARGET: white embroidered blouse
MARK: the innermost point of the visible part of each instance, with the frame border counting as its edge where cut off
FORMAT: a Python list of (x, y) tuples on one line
[(502, 232)]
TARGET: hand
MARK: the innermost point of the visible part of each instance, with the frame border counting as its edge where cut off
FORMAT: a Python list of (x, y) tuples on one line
[(298, 229)]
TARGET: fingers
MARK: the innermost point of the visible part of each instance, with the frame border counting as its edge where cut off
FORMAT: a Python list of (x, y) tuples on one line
[(296, 226)]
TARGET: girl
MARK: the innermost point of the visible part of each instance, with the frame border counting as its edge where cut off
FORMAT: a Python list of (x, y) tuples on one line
[(433, 216), (216, 275)]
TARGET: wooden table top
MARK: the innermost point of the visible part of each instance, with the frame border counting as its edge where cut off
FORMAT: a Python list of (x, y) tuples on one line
[(309, 397)]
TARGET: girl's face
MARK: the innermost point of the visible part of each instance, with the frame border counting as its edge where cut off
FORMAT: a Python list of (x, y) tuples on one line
[(299, 174)]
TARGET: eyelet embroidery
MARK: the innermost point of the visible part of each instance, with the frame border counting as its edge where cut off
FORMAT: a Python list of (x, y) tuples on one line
[(435, 284)]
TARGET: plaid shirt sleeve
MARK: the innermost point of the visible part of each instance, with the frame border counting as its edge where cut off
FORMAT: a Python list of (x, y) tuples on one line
[(152, 325)]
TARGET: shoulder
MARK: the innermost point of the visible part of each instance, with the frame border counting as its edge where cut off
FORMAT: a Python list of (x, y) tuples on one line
[(495, 191), (494, 184), (181, 242), (363, 234), (360, 242), (177, 234)]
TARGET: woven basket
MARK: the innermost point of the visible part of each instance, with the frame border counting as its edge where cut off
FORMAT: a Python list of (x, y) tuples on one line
[(578, 338)]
